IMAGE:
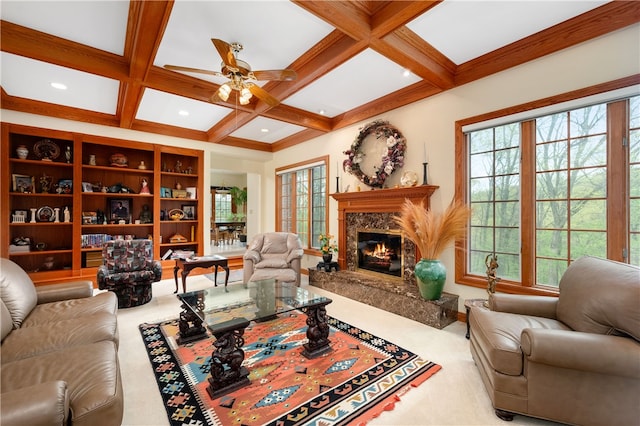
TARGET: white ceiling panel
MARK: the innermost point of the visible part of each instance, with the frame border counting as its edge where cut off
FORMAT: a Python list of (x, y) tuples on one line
[(463, 30), (165, 108), (345, 73), (280, 33), (276, 130), (361, 79), (27, 78), (100, 24)]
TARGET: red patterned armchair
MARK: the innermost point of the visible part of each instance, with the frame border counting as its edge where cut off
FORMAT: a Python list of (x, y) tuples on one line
[(128, 270)]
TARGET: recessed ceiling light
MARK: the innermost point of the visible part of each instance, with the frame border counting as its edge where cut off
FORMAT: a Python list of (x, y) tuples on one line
[(58, 86), (321, 111), (183, 113), (265, 130), (406, 73)]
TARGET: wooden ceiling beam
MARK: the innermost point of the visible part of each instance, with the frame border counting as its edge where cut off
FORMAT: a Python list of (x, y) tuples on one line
[(396, 14), (45, 47), (594, 23), (53, 110), (295, 139), (146, 25), (299, 117), (345, 16)]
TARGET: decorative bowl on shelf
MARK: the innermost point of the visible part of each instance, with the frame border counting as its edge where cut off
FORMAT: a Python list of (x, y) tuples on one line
[(119, 160), (176, 214)]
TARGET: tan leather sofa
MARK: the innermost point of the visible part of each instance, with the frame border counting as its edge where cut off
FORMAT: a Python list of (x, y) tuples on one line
[(59, 361), (573, 359), (273, 255)]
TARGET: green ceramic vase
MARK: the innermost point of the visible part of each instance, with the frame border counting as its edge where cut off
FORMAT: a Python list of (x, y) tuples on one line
[(430, 276)]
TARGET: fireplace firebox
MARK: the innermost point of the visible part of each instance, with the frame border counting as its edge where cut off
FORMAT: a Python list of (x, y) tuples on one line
[(380, 251)]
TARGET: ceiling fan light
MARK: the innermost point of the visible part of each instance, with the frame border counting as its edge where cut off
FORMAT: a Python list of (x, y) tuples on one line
[(224, 91), (245, 96)]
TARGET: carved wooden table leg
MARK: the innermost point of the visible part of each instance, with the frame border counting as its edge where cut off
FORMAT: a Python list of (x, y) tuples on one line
[(190, 324), (317, 331), (227, 372)]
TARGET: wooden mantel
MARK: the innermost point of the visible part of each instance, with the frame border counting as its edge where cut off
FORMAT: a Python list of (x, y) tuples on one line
[(374, 201)]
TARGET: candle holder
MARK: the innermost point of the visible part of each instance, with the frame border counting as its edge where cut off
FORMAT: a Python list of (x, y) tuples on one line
[(337, 184), (424, 173)]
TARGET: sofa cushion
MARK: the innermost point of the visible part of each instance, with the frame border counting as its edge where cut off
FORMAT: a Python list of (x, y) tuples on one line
[(282, 275), (106, 302), (275, 242), (498, 336), (272, 262), (17, 291), (6, 323), (40, 339), (600, 296)]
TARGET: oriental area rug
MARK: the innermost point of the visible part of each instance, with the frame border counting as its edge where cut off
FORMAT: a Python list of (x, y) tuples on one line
[(360, 378)]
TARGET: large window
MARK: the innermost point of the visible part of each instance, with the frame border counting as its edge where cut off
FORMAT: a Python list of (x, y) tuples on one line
[(549, 189), (301, 206)]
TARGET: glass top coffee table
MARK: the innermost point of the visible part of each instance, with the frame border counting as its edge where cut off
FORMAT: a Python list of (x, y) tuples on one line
[(227, 311)]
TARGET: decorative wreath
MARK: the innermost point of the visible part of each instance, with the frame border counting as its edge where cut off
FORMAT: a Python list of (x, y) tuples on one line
[(392, 160)]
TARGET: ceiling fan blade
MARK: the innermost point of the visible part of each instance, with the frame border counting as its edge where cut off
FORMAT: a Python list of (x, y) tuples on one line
[(225, 51), (277, 75), (262, 94), (196, 70)]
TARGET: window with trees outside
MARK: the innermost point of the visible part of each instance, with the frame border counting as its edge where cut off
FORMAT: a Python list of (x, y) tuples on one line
[(302, 200), (549, 189)]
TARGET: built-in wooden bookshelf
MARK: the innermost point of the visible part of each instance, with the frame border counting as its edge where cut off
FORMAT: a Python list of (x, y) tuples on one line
[(88, 177)]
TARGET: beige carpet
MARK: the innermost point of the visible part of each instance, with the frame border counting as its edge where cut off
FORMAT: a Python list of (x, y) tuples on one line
[(454, 396)]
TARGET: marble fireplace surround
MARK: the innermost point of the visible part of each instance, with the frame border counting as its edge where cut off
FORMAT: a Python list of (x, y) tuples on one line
[(375, 210)]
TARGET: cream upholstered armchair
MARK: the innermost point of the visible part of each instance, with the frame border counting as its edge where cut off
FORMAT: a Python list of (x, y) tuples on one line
[(273, 255), (574, 358)]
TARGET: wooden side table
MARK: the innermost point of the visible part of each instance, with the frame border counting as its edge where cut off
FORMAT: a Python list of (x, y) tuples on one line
[(468, 303), (187, 265)]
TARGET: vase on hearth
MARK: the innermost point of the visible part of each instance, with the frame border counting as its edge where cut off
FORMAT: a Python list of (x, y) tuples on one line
[(430, 277), (326, 258)]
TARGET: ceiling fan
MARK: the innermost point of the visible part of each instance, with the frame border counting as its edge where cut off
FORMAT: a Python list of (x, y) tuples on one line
[(241, 77)]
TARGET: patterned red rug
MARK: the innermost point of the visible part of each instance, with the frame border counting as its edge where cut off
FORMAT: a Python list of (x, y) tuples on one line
[(360, 378)]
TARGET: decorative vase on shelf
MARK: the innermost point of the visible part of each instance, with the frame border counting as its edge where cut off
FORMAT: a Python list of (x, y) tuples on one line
[(326, 258), (22, 152), (430, 276)]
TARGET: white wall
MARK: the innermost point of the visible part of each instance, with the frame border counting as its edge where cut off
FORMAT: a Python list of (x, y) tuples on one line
[(430, 121)]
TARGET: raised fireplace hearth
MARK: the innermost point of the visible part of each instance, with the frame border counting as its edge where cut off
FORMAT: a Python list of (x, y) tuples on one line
[(376, 262)]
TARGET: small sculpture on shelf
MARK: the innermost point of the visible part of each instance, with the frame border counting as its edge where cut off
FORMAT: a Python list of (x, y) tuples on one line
[(145, 214), (144, 187), (178, 168), (67, 215), (45, 184), (67, 154)]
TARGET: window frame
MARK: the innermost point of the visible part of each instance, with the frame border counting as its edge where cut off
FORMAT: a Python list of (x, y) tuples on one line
[(292, 168), (617, 214)]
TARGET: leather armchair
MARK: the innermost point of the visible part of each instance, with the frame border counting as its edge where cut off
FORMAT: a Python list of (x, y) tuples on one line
[(273, 255), (573, 359), (129, 270)]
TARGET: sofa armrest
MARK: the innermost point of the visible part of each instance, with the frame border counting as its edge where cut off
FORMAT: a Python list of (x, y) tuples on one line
[(597, 353), (64, 291), (295, 254), (252, 255), (42, 404), (537, 306)]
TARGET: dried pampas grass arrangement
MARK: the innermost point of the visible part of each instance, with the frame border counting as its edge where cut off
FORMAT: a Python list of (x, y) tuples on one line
[(430, 232)]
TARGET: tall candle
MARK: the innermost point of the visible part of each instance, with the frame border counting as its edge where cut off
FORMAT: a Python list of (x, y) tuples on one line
[(425, 153)]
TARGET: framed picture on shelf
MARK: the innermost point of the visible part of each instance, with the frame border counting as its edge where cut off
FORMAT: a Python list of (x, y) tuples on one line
[(22, 183), (87, 187), (189, 211), (65, 186), (165, 192), (119, 209)]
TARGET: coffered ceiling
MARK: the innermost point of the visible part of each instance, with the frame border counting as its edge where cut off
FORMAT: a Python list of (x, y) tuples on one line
[(354, 59)]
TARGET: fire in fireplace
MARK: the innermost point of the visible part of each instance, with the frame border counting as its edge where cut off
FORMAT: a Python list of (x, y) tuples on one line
[(380, 251)]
